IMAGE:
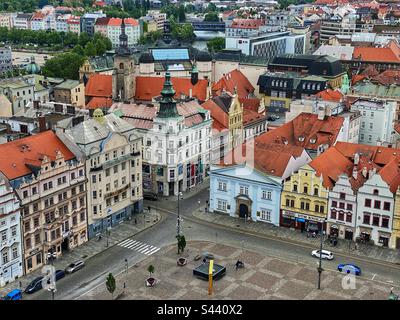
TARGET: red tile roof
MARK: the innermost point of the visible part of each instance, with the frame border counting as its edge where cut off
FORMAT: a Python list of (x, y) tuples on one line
[(16, 156), (233, 79), (250, 116), (118, 22), (99, 102), (149, 87), (250, 103), (220, 117), (303, 130), (390, 173), (371, 54), (357, 78), (99, 85), (388, 77), (103, 21), (271, 159), (247, 23), (330, 95)]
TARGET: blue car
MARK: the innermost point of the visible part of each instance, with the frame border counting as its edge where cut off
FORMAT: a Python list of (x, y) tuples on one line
[(13, 295), (349, 268)]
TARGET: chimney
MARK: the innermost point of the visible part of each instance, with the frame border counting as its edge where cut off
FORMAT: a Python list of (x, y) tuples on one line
[(364, 172), (355, 172), (42, 124)]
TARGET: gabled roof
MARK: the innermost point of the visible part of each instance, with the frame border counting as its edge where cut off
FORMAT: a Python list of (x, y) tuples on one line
[(330, 95), (247, 23), (219, 115), (99, 102), (18, 157), (234, 80), (271, 159), (148, 88), (306, 131), (371, 54), (390, 173), (99, 85), (118, 22)]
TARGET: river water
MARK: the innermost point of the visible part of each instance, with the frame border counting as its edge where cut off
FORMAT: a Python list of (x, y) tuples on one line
[(203, 36)]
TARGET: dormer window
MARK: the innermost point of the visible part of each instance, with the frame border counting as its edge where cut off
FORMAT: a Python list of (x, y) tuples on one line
[(301, 138), (376, 192), (313, 140)]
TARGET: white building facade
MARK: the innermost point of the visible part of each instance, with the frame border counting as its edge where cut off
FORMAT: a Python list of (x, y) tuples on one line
[(11, 266)]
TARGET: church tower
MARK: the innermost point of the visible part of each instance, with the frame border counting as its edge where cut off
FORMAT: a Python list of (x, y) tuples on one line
[(123, 81), (168, 107)]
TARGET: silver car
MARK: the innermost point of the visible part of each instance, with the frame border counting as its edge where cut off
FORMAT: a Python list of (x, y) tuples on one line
[(75, 266)]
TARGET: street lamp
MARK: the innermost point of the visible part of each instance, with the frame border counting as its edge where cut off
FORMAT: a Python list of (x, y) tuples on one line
[(50, 257), (178, 224), (320, 255)]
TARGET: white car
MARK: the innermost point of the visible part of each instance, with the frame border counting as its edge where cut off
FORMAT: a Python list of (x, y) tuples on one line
[(325, 254)]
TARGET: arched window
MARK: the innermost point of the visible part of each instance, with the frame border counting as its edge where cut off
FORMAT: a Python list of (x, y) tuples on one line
[(121, 65), (376, 192)]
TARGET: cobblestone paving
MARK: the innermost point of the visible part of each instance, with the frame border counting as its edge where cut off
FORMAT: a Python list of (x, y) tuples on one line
[(262, 278)]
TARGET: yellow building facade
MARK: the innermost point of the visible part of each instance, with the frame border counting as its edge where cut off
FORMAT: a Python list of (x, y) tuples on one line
[(396, 221), (235, 122), (304, 200)]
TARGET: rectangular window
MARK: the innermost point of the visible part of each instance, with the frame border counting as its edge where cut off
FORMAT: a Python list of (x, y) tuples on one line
[(367, 203), (385, 222), (348, 217), (377, 204), (221, 205), (305, 189), (386, 206), (107, 172), (366, 218), (334, 204), (316, 209), (333, 215), (342, 196), (341, 216), (349, 207), (265, 215), (295, 188)]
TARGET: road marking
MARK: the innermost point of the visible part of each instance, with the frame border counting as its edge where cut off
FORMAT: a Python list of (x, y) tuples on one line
[(138, 246), (373, 277)]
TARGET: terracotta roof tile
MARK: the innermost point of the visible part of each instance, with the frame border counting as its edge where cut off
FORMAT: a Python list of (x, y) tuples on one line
[(149, 87), (220, 117), (99, 102), (330, 95), (305, 131), (371, 54), (233, 79), (247, 23), (390, 173), (16, 156), (99, 85)]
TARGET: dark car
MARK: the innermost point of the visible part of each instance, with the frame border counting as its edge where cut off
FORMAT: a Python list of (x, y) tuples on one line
[(271, 118), (349, 268), (60, 274), (150, 196), (34, 286)]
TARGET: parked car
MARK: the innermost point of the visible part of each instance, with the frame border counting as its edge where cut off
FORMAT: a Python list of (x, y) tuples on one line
[(271, 118), (73, 267), (60, 274), (16, 294), (325, 254), (150, 196), (34, 286), (349, 268)]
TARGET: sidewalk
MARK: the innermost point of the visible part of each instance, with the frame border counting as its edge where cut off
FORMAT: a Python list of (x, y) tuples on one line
[(93, 247), (343, 246)]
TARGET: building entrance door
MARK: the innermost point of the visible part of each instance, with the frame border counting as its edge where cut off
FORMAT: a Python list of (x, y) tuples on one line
[(348, 234), (65, 245), (243, 210)]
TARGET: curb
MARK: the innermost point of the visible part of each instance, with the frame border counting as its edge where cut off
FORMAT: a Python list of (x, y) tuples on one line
[(194, 218), (161, 218)]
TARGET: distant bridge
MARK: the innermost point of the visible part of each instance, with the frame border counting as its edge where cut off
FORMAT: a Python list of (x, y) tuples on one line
[(209, 26)]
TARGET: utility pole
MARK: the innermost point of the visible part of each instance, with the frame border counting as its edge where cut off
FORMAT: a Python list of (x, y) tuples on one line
[(320, 255), (178, 224)]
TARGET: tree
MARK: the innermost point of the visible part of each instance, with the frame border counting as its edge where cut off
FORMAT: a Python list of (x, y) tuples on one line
[(151, 269), (181, 243), (216, 44), (83, 39), (110, 284), (181, 13), (65, 65), (100, 47), (90, 49), (211, 7), (78, 50), (211, 16)]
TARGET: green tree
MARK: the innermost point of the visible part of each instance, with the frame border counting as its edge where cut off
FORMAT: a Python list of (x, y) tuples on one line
[(216, 44), (211, 16), (181, 13), (90, 49), (65, 65), (78, 50), (211, 7), (110, 284), (100, 47), (83, 39), (151, 269)]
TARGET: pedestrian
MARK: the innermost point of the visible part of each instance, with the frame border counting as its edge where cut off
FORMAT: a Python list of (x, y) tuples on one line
[(148, 208), (135, 221)]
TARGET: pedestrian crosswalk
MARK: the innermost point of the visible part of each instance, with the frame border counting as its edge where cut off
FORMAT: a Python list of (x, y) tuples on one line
[(138, 246)]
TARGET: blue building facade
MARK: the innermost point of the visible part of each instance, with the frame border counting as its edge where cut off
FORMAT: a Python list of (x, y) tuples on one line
[(243, 192)]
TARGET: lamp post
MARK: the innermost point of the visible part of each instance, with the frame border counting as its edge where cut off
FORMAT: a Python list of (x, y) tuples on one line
[(320, 255), (50, 256), (178, 224)]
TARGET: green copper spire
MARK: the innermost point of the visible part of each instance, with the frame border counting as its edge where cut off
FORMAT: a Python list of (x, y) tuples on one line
[(168, 104)]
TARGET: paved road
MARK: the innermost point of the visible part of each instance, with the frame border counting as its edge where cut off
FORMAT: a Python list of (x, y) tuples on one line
[(112, 260)]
